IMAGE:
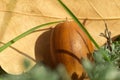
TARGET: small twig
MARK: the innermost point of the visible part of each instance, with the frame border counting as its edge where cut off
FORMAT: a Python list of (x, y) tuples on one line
[(24, 54), (107, 35), (43, 29), (84, 21)]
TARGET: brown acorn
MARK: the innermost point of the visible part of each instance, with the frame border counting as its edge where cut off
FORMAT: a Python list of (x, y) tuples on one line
[(68, 44)]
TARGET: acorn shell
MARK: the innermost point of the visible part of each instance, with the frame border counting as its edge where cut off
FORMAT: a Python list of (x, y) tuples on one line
[(68, 45)]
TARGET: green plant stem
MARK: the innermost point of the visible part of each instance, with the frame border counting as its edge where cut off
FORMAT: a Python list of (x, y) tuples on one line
[(25, 34), (79, 23), (82, 27)]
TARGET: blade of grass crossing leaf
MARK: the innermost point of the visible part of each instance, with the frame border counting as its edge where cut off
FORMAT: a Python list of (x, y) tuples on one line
[(78, 22), (82, 27), (25, 34)]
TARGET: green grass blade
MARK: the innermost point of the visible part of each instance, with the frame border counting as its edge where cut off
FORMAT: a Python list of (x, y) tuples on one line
[(81, 26), (25, 34), (79, 23)]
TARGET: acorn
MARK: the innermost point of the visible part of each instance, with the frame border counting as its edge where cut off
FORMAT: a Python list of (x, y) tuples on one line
[(66, 44)]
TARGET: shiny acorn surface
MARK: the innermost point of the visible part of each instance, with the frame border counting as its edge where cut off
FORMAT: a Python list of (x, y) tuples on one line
[(66, 44)]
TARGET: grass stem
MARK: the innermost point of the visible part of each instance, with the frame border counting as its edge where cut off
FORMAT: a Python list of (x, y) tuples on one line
[(79, 23), (25, 34)]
